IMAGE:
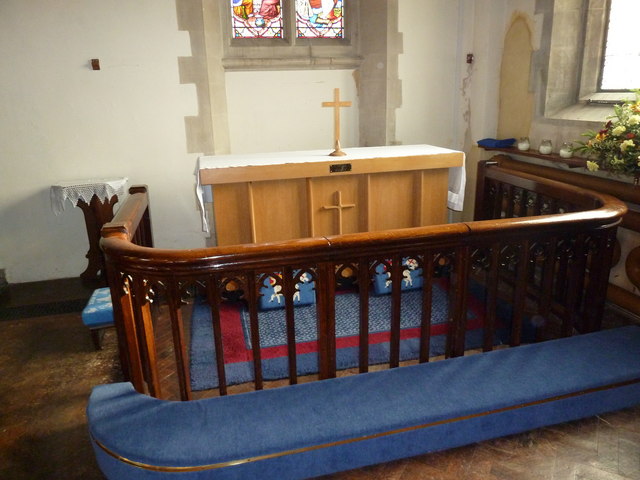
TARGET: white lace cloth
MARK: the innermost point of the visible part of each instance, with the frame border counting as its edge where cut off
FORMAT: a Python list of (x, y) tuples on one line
[(85, 190)]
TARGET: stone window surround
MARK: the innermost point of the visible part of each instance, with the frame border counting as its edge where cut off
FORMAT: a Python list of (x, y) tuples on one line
[(573, 35), (378, 46)]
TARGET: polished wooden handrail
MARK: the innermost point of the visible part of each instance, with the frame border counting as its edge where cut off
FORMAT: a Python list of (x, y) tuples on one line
[(614, 185), (130, 215), (118, 233), (541, 258)]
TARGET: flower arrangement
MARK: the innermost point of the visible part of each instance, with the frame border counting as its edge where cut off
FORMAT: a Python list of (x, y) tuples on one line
[(616, 148)]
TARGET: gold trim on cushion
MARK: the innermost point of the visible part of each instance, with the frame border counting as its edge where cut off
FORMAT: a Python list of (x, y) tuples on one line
[(213, 466)]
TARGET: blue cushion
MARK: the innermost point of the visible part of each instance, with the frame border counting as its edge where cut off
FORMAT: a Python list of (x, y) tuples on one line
[(99, 310), (272, 295), (411, 277), (322, 427), (495, 143)]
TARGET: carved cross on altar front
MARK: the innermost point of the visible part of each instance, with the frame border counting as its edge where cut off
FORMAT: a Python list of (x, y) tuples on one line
[(339, 206), (336, 104)]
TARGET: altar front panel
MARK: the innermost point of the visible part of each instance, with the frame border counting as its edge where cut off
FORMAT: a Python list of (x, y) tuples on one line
[(272, 202), (432, 197), (278, 210), (323, 192), (232, 208)]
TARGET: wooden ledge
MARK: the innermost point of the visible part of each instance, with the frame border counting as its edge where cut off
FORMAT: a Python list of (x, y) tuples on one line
[(573, 162)]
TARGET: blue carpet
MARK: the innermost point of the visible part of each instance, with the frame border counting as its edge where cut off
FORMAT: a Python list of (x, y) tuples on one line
[(272, 329)]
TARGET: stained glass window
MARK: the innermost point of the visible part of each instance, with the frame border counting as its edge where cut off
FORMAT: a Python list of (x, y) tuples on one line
[(256, 19), (319, 19)]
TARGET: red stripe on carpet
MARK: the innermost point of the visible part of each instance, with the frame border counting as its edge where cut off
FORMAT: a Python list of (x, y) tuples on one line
[(235, 348)]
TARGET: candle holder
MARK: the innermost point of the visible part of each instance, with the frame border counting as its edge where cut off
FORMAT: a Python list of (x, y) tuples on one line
[(523, 144), (566, 151), (546, 147)]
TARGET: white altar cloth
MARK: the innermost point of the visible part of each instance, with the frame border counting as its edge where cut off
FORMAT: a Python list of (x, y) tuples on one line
[(85, 190), (457, 175)]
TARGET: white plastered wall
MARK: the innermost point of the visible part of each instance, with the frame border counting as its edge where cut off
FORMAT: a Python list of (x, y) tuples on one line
[(445, 100), (277, 111), (60, 120), (428, 72)]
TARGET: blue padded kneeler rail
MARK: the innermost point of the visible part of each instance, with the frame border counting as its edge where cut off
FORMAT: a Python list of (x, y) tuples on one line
[(322, 427)]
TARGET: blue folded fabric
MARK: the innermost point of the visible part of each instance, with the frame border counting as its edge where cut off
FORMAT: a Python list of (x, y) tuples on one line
[(494, 143), (411, 277)]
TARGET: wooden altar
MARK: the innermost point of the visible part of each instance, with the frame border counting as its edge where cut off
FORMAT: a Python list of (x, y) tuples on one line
[(282, 196)]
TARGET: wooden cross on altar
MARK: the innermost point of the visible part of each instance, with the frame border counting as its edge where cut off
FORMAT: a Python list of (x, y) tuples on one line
[(336, 104), (339, 206)]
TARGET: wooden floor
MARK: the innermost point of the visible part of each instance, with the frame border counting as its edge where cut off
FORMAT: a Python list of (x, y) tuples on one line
[(601, 448), (48, 367)]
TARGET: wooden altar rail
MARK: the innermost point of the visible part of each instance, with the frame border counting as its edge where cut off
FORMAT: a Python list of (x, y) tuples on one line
[(520, 250), (624, 191)]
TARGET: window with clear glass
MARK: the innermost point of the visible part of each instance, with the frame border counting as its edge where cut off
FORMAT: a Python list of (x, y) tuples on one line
[(256, 19), (621, 64)]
